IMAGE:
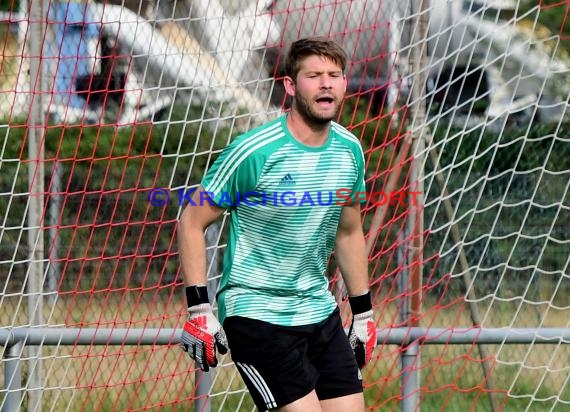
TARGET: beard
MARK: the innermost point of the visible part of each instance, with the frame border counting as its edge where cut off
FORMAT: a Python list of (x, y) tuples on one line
[(311, 116)]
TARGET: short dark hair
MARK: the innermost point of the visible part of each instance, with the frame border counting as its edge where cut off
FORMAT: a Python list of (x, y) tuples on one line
[(313, 46)]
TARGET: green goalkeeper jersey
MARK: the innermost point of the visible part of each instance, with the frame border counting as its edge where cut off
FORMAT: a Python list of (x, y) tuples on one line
[(285, 201)]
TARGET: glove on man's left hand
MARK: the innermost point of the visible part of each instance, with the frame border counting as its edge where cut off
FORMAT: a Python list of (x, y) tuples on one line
[(362, 333)]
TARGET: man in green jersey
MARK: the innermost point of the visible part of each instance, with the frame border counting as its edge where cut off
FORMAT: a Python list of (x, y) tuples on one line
[(275, 310)]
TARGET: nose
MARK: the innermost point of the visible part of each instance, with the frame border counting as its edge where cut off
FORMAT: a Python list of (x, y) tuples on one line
[(326, 82)]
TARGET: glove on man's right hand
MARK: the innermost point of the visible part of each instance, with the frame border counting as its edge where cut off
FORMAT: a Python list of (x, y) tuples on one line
[(202, 335)]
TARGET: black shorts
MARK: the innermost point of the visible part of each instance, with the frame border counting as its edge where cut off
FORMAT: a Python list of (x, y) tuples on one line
[(282, 364)]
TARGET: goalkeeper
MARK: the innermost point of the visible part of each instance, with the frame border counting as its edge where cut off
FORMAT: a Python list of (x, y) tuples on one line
[(275, 310)]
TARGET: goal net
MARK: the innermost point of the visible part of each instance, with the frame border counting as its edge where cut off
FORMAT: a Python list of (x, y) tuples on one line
[(110, 111)]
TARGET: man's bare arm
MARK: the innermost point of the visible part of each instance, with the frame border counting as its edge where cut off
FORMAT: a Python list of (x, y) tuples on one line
[(350, 251), (191, 238)]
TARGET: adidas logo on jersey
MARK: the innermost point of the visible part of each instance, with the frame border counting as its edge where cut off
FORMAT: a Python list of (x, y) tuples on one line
[(287, 180)]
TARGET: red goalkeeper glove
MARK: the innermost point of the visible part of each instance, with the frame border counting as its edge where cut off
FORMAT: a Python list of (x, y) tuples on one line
[(202, 334), (362, 333)]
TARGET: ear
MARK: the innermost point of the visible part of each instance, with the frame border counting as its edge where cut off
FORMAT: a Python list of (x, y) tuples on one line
[(289, 86)]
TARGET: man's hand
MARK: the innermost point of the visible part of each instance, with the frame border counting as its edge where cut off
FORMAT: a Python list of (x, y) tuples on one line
[(202, 335), (362, 332)]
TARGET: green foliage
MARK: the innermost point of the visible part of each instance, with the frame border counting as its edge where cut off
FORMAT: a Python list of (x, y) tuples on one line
[(9, 5), (553, 14), (108, 233), (509, 194), (378, 132)]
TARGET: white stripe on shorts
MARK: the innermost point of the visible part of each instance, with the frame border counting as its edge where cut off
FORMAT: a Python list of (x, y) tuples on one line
[(259, 384)]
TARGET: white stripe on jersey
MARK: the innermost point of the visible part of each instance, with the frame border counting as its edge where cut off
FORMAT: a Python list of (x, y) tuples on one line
[(342, 131), (232, 162)]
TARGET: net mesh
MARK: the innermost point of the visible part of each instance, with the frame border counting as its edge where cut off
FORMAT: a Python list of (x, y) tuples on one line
[(112, 110)]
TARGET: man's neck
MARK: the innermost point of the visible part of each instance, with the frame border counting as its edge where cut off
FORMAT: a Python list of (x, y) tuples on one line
[(308, 134)]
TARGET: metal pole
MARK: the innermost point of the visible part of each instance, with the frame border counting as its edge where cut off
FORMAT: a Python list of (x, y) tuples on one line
[(409, 353), (410, 377), (54, 336), (21, 97), (410, 357), (36, 205), (54, 211), (13, 378)]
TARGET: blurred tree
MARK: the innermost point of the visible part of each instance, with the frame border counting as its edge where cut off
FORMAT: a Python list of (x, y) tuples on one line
[(553, 15)]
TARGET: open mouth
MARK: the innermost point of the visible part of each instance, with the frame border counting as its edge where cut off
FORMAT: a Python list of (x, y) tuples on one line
[(325, 100)]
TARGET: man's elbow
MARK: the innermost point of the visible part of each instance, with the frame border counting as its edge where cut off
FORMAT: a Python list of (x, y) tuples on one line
[(350, 235), (198, 218)]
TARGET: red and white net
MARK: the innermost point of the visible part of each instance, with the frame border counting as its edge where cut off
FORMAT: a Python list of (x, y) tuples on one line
[(462, 110)]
